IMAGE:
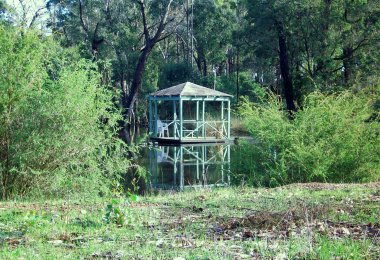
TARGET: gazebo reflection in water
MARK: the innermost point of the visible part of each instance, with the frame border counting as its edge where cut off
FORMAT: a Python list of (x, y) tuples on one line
[(189, 166)]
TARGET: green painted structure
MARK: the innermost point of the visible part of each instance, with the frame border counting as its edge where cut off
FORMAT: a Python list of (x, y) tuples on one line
[(189, 113)]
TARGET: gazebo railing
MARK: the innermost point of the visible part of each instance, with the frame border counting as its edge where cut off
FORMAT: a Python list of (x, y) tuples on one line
[(218, 128)]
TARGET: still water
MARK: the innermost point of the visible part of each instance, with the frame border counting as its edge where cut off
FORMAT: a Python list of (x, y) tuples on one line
[(187, 166)]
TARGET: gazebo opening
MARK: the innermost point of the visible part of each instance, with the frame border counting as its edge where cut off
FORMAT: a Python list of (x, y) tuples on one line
[(189, 113)]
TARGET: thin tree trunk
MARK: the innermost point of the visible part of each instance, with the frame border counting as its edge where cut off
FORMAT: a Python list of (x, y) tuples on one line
[(348, 64), (136, 82), (177, 48), (325, 26), (237, 74), (230, 65), (204, 67), (140, 67), (187, 33), (198, 61), (285, 70), (123, 88)]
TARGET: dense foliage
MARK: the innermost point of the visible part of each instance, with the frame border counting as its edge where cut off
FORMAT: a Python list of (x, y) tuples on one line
[(57, 125), (333, 138)]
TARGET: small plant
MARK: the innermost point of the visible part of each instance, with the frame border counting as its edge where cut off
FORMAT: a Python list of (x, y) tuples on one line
[(115, 213), (131, 197)]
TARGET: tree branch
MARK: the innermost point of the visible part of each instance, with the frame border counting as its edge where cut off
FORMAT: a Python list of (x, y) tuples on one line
[(163, 23), (96, 30), (146, 30), (24, 11), (35, 16), (84, 26), (164, 37), (360, 44)]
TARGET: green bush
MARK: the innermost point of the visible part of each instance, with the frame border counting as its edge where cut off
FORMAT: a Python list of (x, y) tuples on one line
[(57, 124), (330, 138), (247, 86)]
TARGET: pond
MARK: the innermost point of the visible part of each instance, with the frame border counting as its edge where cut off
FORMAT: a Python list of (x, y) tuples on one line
[(202, 165)]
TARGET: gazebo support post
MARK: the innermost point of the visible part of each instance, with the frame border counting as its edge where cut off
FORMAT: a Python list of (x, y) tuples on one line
[(222, 118), (155, 116), (180, 118), (182, 181), (150, 116), (229, 119), (203, 119), (174, 119), (197, 117), (175, 166)]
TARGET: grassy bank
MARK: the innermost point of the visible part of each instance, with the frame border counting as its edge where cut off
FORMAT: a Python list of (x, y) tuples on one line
[(311, 221)]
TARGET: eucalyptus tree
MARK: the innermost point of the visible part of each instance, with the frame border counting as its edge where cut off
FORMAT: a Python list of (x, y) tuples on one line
[(123, 32), (334, 43), (26, 14), (357, 30), (267, 25), (213, 24), (79, 23), (157, 29), (326, 45)]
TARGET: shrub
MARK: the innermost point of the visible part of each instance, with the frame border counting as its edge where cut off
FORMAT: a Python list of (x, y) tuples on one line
[(57, 124), (248, 87), (330, 139)]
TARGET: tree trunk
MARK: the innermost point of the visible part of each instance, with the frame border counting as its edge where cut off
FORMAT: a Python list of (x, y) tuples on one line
[(177, 47), (348, 64), (95, 45), (198, 61), (237, 74), (123, 88), (140, 68), (230, 65), (136, 82), (204, 67), (285, 70), (322, 60)]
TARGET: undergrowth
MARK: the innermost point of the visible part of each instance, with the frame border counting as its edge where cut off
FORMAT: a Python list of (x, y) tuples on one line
[(333, 138), (321, 221)]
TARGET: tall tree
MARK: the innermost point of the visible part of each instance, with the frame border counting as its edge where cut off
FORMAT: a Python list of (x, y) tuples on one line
[(81, 22), (213, 25), (326, 45), (152, 35), (124, 32), (267, 24)]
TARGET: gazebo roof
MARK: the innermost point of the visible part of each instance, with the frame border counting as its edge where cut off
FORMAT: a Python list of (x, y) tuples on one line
[(189, 89)]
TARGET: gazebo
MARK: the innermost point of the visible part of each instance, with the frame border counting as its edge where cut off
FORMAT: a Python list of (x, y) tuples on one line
[(189, 113)]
